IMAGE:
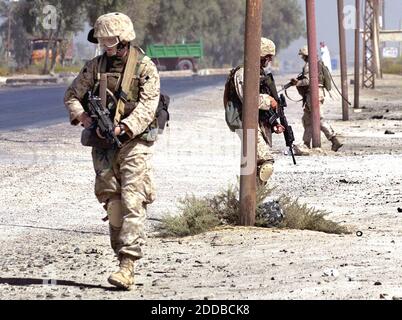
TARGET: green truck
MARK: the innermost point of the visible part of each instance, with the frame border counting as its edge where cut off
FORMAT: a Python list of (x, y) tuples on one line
[(176, 56)]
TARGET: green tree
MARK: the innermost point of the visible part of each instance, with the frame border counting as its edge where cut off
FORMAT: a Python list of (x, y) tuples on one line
[(282, 21), (96, 8), (68, 20), (220, 24), (17, 16), (27, 21), (144, 15)]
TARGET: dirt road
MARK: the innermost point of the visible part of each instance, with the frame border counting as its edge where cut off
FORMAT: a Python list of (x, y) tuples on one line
[(55, 246)]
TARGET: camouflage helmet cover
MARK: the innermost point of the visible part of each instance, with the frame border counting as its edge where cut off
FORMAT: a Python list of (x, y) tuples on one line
[(303, 51), (267, 47), (114, 24)]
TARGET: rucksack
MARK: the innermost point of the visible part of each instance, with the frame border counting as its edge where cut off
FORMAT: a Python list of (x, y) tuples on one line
[(324, 76), (232, 103)]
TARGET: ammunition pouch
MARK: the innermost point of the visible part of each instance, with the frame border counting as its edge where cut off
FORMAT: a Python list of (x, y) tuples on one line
[(151, 133), (89, 138)]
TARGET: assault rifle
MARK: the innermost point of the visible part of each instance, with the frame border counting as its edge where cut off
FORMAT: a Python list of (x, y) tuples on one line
[(290, 84), (288, 134), (267, 86), (101, 117)]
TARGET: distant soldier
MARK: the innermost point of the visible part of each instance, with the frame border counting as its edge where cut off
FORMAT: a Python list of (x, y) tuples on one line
[(233, 101), (124, 182), (303, 87)]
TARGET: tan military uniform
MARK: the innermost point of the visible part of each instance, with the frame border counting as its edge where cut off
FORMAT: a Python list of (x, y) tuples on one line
[(124, 180), (303, 86), (264, 135)]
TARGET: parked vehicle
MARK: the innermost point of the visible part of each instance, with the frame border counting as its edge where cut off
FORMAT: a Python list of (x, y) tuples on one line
[(39, 50), (176, 56)]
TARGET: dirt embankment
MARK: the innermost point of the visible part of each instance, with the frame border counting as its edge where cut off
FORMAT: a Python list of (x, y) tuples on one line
[(54, 244)]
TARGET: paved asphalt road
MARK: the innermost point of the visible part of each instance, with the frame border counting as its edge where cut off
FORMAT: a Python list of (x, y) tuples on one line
[(39, 106)]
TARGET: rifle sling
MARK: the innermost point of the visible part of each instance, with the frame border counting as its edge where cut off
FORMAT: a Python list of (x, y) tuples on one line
[(287, 96), (125, 84)]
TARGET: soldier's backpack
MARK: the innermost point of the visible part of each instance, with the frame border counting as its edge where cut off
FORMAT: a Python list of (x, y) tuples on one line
[(324, 76), (232, 103)]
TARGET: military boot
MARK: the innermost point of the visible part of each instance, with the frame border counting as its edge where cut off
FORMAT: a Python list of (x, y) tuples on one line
[(264, 171), (336, 144), (124, 278)]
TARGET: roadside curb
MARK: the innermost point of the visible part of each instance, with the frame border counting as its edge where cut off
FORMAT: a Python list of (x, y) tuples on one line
[(38, 80), (189, 73)]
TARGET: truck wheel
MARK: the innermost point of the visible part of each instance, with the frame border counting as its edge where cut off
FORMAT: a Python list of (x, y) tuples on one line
[(185, 65)]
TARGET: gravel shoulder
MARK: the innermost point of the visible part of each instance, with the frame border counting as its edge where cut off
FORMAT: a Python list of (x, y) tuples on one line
[(55, 245)]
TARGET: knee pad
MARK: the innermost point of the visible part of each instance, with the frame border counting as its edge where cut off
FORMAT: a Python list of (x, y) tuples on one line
[(265, 171), (114, 213)]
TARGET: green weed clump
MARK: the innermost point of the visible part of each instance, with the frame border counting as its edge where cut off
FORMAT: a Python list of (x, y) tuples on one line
[(198, 215), (301, 217)]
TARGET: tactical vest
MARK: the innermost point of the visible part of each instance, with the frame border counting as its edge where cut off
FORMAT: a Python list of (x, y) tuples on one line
[(324, 79), (115, 78), (114, 91)]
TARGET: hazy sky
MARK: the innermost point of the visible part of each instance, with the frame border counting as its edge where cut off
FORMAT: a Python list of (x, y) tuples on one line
[(327, 24)]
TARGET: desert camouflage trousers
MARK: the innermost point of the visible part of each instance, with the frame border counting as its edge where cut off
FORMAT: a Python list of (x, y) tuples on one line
[(264, 155), (308, 124), (263, 148), (124, 183)]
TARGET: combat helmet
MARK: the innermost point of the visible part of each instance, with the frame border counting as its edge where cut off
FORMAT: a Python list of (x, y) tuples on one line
[(113, 24), (303, 51), (267, 47)]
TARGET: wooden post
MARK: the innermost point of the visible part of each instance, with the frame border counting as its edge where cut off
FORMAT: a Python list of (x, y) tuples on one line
[(250, 111), (344, 69), (313, 69), (357, 57)]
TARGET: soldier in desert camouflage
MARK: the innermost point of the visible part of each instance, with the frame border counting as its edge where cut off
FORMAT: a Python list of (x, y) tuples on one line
[(234, 99), (124, 182), (303, 87)]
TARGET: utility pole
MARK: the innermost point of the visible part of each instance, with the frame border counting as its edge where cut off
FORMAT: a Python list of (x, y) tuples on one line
[(250, 111), (357, 57), (376, 40), (313, 72), (344, 69), (368, 46)]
